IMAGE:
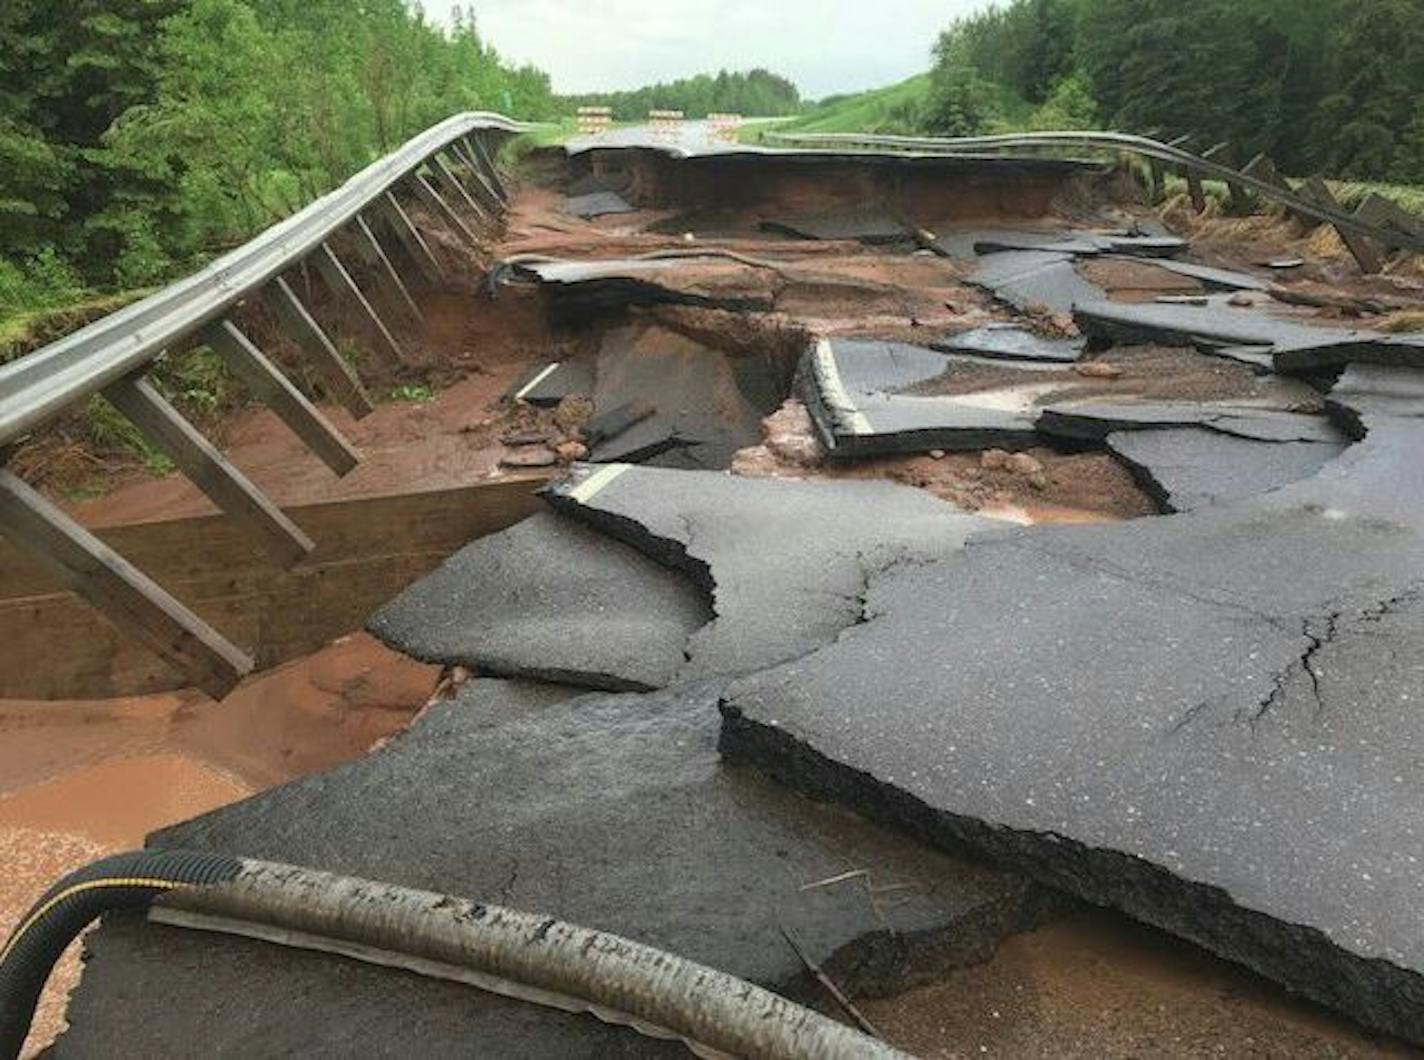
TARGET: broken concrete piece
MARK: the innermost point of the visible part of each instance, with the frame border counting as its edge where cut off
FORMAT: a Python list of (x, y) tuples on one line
[(597, 204), (1227, 751), (549, 600), (782, 561), (1371, 390), (613, 812), (529, 458), (1012, 342), (1032, 279), (1193, 467)]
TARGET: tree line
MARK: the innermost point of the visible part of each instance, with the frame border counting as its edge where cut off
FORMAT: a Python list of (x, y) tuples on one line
[(1333, 86), (759, 93), (138, 136)]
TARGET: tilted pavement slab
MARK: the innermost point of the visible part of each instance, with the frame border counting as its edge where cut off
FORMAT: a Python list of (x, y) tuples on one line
[(611, 812), (783, 562), (549, 599), (1192, 467), (1209, 720)]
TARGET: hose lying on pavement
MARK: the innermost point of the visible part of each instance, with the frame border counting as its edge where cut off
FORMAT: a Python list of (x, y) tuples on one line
[(533, 958)]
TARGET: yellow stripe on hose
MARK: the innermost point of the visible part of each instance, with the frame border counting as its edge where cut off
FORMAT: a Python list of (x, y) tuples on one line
[(80, 888)]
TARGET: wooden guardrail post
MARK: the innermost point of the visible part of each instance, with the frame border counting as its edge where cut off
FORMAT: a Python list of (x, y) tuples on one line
[(343, 286), (1365, 253), (399, 224), (375, 256), (341, 379)]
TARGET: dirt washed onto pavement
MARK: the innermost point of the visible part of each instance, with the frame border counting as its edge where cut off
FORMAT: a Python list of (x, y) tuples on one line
[(80, 780)]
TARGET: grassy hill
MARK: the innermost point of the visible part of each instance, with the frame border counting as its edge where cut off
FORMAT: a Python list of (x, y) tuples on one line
[(897, 108)]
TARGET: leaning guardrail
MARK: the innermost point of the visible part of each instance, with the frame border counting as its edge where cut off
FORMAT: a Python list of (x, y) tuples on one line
[(450, 169), (1378, 219)]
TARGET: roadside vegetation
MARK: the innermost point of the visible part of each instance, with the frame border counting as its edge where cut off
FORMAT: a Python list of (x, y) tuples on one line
[(1331, 86), (759, 93)]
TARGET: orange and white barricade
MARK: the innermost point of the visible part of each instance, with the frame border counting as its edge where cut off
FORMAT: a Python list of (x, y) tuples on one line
[(593, 121), (724, 126), (666, 124)]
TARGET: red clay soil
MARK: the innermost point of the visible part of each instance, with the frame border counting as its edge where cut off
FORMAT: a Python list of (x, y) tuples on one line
[(1099, 986), (80, 780)]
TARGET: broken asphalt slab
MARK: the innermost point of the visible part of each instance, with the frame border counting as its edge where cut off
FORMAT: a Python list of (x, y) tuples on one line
[(547, 384), (712, 282), (854, 391), (1188, 468), (1089, 422), (659, 395), (860, 226), (623, 818), (1294, 347), (783, 562), (597, 204), (1011, 342), (1035, 279), (1228, 750), (549, 599)]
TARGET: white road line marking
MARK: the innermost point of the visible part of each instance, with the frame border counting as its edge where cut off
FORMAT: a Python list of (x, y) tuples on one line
[(535, 381), (589, 487), (834, 393)]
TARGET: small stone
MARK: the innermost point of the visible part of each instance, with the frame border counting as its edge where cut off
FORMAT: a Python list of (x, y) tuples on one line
[(994, 459), (1098, 370), (936, 454), (568, 452), (1241, 299), (520, 438), (1024, 464), (528, 458)]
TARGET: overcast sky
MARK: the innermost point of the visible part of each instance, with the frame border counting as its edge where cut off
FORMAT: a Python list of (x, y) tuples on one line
[(825, 46)]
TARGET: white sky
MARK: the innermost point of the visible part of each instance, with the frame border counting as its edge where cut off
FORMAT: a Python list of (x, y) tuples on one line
[(825, 46)]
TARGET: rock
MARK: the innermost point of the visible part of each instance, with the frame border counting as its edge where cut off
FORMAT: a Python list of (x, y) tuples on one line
[(573, 412), (516, 439), (529, 458), (936, 454), (1024, 464), (1038, 480), (1098, 370), (1242, 300), (570, 451), (994, 459)]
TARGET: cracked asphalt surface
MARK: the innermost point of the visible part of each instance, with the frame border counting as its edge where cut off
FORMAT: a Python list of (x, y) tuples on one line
[(1205, 719)]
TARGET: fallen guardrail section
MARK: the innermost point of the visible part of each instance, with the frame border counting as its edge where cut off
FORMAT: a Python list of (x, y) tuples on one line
[(1377, 223), (449, 169)]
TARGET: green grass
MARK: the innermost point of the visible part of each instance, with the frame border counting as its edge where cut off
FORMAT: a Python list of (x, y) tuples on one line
[(29, 329), (892, 109)]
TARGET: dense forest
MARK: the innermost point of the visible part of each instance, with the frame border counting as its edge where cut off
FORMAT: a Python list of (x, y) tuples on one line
[(138, 136), (756, 92), (1321, 85)]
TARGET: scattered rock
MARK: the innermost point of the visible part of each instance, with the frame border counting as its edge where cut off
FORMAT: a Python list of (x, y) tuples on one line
[(572, 413), (1242, 300), (568, 452), (515, 439), (994, 459), (937, 454), (1098, 370), (529, 458), (1024, 464)]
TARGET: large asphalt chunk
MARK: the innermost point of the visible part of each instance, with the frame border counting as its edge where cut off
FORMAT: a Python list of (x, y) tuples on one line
[(785, 562), (674, 395), (1030, 279), (1194, 467), (613, 812), (549, 599), (856, 393), (1209, 720)]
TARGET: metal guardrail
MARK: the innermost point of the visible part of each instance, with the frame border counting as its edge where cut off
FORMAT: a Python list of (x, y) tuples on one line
[(1401, 234), (35, 387), (449, 169)]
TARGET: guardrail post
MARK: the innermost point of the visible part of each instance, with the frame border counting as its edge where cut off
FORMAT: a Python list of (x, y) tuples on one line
[(340, 377), (206, 468), (492, 201), (1388, 215), (488, 158), (400, 225), (1360, 248), (127, 597), (1222, 155), (375, 256), (427, 194), (275, 390), (1192, 177), (329, 267), (451, 183)]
